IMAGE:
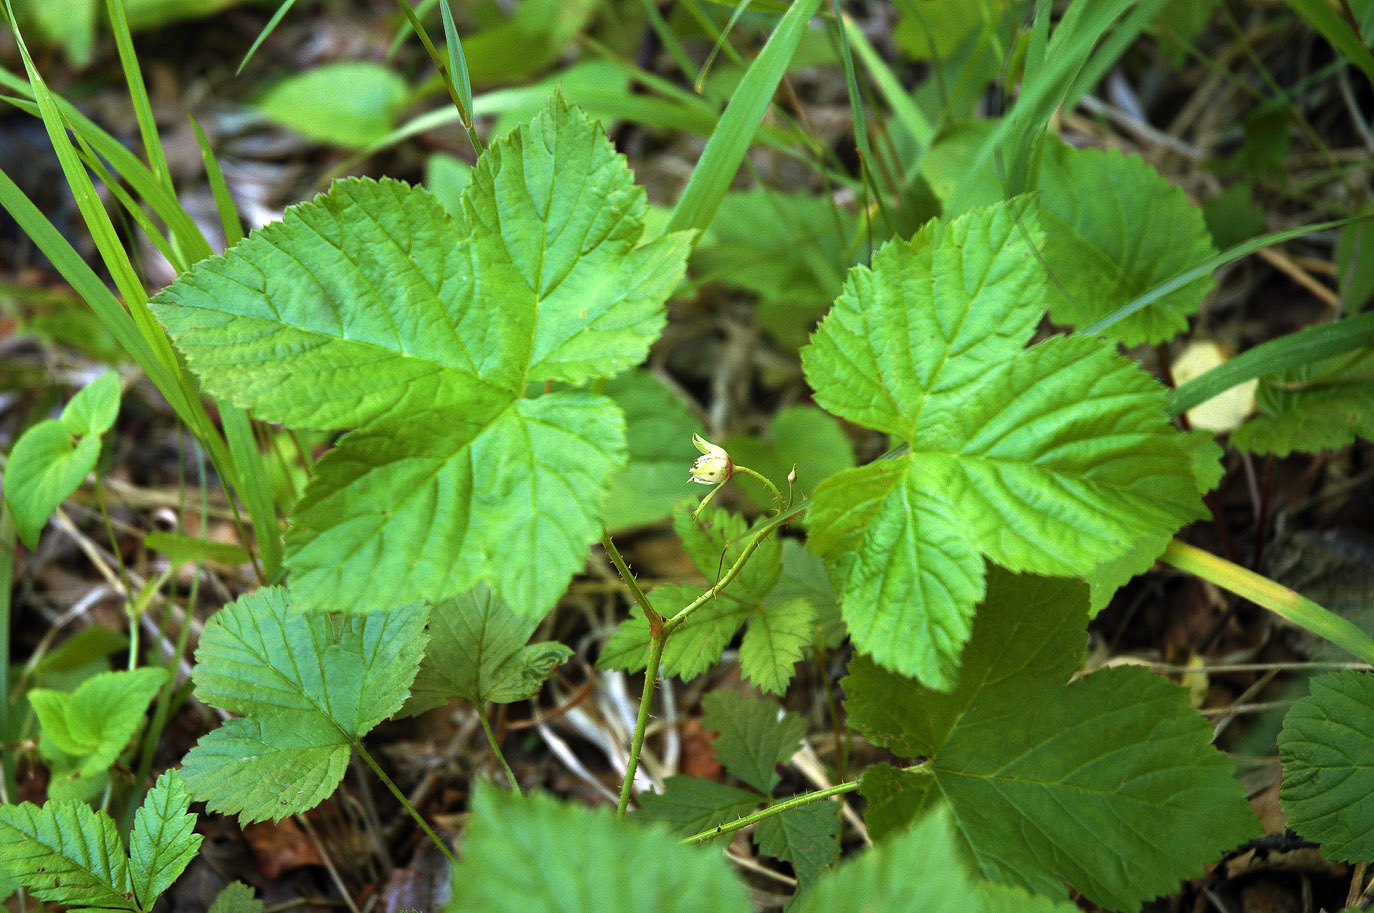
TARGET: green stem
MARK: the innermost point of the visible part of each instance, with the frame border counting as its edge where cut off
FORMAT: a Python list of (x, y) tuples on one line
[(777, 808), (642, 723), (401, 797), (1289, 605), (763, 533), (496, 750), (655, 619), (754, 474)]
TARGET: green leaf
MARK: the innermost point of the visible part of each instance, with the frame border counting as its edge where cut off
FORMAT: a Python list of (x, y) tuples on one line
[(1327, 747), (477, 651), (755, 736), (715, 539), (1314, 407), (693, 648), (95, 722), (1055, 458), (1112, 774), (804, 836), (775, 642), (236, 897), (894, 798), (66, 853), (94, 408), (515, 859), (163, 841), (45, 467), (922, 870), (316, 105), (309, 686), (804, 576), (1115, 228), (658, 437), (690, 805), (329, 320)]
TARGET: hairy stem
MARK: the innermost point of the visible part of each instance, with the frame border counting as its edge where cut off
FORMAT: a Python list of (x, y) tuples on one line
[(777, 808), (655, 620), (496, 750), (646, 699), (405, 803), (1280, 600)]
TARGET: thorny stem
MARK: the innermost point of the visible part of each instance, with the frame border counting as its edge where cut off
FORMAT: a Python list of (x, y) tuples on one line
[(646, 700), (401, 797), (754, 474), (655, 619), (777, 808), (496, 750), (660, 629)]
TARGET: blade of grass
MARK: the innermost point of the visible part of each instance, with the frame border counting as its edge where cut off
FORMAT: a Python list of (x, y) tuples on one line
[(876, 177), (1306, 346), (422, 10), (267, 29), (1336, 30), (457, 63), (1243, 249), (464, 111), (254, 488), (1275, 597), (224, 201), (735, 131), (889, 87), (138, 92)]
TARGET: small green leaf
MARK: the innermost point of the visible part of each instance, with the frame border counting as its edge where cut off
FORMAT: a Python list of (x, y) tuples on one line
[(308, 686), (804, 576), (163, 841), (477, 651), (94, 408), (1055, 458), (775, 642), (1114, 773), (45, 467), (66, 853), (690, 805), (515, 859), (1314, 407), (804, 836), (1115, 228), (693, 648), (327, 320), (755, 736), (94, 723), (315, 105), (236, 897), (1327, 747), (714, 540)]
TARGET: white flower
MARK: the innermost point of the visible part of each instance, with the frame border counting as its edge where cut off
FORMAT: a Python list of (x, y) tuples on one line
[(713, 466)]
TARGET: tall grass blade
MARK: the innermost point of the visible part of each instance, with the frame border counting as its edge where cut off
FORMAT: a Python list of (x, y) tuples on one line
[(267, 29)]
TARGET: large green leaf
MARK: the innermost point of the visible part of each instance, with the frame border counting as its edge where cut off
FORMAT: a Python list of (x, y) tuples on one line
[(1327, 746), (1115, 228), (1108, 782), (66, 853), (309, 687), (1056, 459), (516, 859), (370, 308), (479, 651), (164, 840)]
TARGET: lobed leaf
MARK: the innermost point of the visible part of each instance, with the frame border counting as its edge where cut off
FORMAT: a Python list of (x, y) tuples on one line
[(163, 841), (1057, 458), (477, 651), (1099, 782), (45, 467), (775, 642), (370, 308), (690, 805), (515, 859), (1328, 765), (67, 853), (94, 723), (754, 736), (309, 686), (804, 836), (1315, 407)]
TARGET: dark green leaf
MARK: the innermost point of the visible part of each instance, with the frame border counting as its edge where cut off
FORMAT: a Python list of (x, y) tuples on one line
[(755, 736), (690, 805)]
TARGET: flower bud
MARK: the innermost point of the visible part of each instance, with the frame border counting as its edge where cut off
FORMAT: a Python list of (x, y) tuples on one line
[(713, 466)]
